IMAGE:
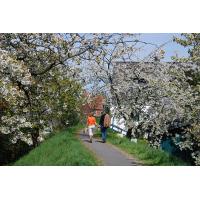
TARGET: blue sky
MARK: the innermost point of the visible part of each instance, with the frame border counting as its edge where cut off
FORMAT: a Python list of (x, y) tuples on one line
[(160, 38)]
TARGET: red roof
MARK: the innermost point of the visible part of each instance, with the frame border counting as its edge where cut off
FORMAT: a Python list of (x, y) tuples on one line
[(95, 104)]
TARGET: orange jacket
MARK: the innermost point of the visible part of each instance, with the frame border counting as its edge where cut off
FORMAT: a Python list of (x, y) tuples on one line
[(91, 121)]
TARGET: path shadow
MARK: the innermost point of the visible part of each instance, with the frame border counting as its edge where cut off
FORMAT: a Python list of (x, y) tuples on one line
[(100, 141), (134, 164), (83, 134), (87, 141)]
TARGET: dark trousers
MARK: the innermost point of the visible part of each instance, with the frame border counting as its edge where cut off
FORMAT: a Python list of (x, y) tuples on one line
[(103, 133)]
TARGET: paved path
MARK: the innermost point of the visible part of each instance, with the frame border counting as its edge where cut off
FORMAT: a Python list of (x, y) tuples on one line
[(108, 154)]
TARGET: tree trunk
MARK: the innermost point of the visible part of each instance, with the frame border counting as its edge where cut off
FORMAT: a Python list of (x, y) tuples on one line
[(129, 133), (35, 135)]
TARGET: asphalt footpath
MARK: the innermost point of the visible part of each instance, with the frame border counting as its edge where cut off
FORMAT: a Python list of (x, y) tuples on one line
[(108, 154)]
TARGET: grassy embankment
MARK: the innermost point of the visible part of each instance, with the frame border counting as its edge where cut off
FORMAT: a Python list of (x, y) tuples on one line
[(63, 148), (143, 152)]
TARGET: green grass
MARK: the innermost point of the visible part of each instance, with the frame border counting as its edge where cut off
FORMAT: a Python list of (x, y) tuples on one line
[(63, 148), (143, 152)]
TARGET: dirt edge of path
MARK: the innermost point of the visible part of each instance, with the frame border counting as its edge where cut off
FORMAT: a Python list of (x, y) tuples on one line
[(99, 161)]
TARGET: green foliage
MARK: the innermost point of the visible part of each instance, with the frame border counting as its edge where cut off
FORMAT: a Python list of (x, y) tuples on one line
[(192, 139), (192, 41), (39, 91), (64, 148)]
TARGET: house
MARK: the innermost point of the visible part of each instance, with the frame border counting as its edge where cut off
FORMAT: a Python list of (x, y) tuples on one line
[(93, 104)]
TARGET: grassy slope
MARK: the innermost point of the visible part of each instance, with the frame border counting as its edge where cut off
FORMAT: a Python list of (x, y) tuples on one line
[(63, 148), (143, 152)]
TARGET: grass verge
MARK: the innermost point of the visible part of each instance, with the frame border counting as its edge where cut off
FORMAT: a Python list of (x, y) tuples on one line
[(143, 152), (63, 148)]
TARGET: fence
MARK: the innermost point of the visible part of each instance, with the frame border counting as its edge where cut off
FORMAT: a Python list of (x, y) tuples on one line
[(117, 129)]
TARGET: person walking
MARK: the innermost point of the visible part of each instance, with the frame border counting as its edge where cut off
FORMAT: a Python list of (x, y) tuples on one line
[(91, 123), (104, 124)]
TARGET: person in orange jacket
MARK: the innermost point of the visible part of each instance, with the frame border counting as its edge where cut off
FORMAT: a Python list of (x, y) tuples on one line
[(91, 123)]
